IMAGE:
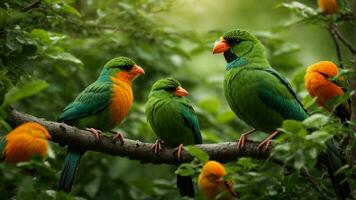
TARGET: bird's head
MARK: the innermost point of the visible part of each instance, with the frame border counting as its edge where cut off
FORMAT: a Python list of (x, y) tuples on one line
[(214, 172), (34, 129), (168, 87), (124, 68), (325, 68), (237, 43)]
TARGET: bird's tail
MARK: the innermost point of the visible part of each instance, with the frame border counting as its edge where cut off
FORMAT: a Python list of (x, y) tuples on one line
[(334, 162), (343, 111), (70, 168), (185, 186)]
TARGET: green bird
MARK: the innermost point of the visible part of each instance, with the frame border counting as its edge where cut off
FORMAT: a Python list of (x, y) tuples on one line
[(99, 107), (263, 98), (173, 119)]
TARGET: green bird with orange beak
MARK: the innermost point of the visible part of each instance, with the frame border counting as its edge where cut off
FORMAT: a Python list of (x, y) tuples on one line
[(174, 121), (263, 98)]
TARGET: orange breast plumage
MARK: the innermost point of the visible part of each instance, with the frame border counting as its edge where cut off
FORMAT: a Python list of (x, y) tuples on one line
[(121, 100)]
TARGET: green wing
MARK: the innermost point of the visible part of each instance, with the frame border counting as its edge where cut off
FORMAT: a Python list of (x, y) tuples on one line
[(276, 92), (94, 99), (191, 120)]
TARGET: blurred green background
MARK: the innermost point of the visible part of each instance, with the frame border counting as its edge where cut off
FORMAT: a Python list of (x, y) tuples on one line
[(66, 42)]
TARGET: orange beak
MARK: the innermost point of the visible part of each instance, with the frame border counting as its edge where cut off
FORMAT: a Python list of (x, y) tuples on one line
[(221, 46), (181, 92), (137, 70)]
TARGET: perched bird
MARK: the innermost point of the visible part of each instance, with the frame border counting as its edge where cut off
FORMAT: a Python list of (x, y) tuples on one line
[(25, 141), (173, 119), (99, 107), (263, 98), (318, 82), (211, 182), (328, 6)]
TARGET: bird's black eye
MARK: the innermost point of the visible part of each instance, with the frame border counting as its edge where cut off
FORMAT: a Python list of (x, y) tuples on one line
[(169, 89), (126, 67), (233, 42)]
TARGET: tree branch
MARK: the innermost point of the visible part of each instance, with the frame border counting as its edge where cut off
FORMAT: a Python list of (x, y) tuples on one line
[(134, 149), (343, 39)]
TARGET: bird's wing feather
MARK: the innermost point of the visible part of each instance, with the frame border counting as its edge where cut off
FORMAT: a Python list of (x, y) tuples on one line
[(276, 92), (94, 99), (190, 118)]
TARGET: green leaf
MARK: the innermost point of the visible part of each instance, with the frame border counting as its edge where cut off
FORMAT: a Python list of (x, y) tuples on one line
[(22, 91), (198, 153), (41, 35), (69, 9), (65, 56), (316, 121), (299, 159), (185, 169), (319, 137)]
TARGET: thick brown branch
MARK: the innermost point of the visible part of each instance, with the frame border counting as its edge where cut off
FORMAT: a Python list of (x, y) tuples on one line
[(135, 150)]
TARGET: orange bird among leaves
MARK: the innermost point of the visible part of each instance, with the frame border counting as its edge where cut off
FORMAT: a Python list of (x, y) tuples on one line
[(24, 142), (211, 182), (318, 82), (328, 6)]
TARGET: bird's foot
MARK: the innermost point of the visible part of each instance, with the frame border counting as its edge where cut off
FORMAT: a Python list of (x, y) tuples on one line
[(97, 133), (243, 138), (267, 142), (179, 152), (117, 137), (157, 146)]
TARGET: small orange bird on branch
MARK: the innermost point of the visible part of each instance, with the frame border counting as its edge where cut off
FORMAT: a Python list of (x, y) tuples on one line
[(24, 142), (328, 6), (211, 182), (318, 82)]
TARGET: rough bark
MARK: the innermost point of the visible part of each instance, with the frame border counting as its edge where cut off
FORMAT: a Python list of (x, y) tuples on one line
[(134, 149)]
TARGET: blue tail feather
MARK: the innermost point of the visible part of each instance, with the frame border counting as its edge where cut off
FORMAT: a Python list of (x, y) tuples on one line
[(70, 168)]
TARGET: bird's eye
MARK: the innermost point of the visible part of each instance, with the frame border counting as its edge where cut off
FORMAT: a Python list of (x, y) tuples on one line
[(169, 89), (126, 67)]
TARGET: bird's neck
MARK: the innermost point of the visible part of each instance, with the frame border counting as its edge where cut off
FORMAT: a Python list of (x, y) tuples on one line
[(253, 58), (106, 76)]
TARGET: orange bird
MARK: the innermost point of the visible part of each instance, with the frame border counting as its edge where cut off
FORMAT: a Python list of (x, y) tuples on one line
[(211, 182), (317, 82), (24, 142), (328, 6)]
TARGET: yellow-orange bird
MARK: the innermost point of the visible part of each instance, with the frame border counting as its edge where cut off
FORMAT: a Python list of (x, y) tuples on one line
[(211, 182), (318, 82), (24, 142), (328, 6)]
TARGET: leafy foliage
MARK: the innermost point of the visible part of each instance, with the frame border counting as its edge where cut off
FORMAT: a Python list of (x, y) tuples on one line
[(51, 49)]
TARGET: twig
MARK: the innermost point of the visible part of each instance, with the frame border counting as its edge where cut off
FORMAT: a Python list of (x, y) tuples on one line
[(304, 172), (343, 40), (32, 5), (337, 46)]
